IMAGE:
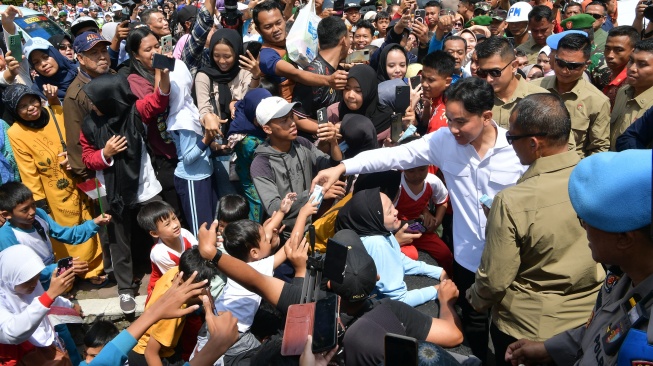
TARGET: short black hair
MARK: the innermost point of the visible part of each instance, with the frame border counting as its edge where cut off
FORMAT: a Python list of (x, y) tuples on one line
[(240, 237), (443, 63), (605, 7), (100, 333), (476, 94), (152, 213), (233, 207), (381, 15), (495, 46), (576, 42), (145, 15), (540, 12), (364, 24), (519, 53), (267, 5), (191, 261), (433, 3), (572, 4), (13, 194), (627, 31), (454, 38), (645, 45), (544, 113), (388, 182), (330, 31)]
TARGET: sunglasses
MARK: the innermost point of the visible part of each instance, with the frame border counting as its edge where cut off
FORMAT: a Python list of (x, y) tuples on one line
[(596, 16), (495, 73), (65, 47), (568, 65), (458, 24), (512, 138)]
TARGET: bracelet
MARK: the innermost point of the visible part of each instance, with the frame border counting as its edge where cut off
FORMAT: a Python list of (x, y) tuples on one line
[(258, 78), (217, 257)]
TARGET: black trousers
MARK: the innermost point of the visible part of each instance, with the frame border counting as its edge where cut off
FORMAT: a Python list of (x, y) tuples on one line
[(501, 341), (475, 324), (165, 174)]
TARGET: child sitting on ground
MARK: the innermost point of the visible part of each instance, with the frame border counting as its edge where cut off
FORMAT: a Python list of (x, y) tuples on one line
[(33, 227), (100, 333)]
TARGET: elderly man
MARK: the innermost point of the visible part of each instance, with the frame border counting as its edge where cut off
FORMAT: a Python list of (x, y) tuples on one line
[(536, 257)]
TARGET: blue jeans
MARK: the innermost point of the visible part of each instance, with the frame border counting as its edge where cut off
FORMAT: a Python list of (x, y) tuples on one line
[(221, 176)]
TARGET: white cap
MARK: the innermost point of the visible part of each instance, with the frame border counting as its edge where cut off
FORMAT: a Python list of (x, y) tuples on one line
[(519, 12), (370, 15), (116, 7), (35, 43), (271, 108)]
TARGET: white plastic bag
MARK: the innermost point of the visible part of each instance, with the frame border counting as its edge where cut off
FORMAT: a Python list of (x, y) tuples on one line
[(301, 42)]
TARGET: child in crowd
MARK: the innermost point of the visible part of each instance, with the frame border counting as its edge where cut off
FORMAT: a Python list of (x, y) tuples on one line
[(419, 189), (437, 69), (100, 333), (31, 226), (381, 23), (158, 218), (231, 208)]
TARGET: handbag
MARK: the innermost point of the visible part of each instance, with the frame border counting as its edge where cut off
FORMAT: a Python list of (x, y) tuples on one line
[(301, 41)]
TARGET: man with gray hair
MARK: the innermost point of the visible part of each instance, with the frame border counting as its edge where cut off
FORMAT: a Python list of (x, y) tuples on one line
[(536, 258)]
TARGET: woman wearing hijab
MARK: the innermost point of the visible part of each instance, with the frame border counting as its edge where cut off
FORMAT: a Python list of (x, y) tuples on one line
[(51, 67), (372, 216), (218, 86), (26, 335), (358, 133), (64, 43), (37, 138), (247, 135), (392, 64), (361, 97)]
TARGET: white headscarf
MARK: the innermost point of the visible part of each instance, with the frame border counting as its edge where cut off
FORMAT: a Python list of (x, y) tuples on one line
[(19, 264)]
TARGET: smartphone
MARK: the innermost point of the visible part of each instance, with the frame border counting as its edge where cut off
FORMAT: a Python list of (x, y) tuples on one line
[(420, 15), (325, 324), (358, 56), (395, 127), (321, 116), (206, 291), (163, 62), (410, 131), (16, 47), (64, 264), (415, 81), (402, 98), (400, 350), (166, 44), (299, 324), (416, 226), (335, 261), (486, 201), (317, 196), (338, 5), (327, 4)]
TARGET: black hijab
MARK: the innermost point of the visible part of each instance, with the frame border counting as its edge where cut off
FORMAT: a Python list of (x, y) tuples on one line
[(359, 134), (381, 70), (12, 96), (112, 96), (379, 115), (363, 214), (235, 41)]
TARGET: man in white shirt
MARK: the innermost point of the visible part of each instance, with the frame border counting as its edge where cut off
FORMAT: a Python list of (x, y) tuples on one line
[(476, 159)]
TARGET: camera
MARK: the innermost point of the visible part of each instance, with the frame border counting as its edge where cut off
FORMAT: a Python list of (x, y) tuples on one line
[(648, 12), (231, 17), (128, 5)]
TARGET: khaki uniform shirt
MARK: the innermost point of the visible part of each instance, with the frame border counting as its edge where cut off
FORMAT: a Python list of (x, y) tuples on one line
[(531, 49), (536, 260), (584, 345), (501, 110), (627, 109), (590, 114), (76, 106)]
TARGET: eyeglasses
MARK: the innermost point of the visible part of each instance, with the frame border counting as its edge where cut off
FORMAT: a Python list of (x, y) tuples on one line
[(512, 138), (495, 73), (596, 16), (63, 47), (458, 24), (569, 65)]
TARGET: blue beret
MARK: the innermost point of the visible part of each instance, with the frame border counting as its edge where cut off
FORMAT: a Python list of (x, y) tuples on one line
[(612, 191), (552, 40)]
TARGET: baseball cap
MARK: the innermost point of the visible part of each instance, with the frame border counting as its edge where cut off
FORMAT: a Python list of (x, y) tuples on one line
[(519, 12), (187, 13), (370, 15), (273, 107), (35, 43), (352, 6), (360, 271), (94, 8), (630, 185), (88, 40), (578, 21), (552, 40), (63, 13), (116, 7), (82, 22)]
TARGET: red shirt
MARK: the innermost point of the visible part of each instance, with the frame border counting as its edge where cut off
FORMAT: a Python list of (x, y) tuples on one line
[(611, 89), (438, 118)]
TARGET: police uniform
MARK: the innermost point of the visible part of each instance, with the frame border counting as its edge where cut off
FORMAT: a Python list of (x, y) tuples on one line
[(594, 343), (531, 49), (627, 109), (501, 110)]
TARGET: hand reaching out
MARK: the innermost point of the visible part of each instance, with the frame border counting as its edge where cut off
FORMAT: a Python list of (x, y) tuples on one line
[(102, 220), (287, 202), (59, 284), (79, 267)]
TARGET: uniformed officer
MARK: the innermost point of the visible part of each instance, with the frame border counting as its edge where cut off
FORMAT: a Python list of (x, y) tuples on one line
[(616, 214), (598, 69)]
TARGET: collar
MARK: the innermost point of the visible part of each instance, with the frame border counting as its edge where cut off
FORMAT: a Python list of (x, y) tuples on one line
[(550, 164), (642, 290), (643, 99), (617, 80), (520, 92), (530, 44), (549, 83), (501, 136)]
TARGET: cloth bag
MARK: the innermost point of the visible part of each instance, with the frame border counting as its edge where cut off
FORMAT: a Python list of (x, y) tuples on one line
[(301, 42)]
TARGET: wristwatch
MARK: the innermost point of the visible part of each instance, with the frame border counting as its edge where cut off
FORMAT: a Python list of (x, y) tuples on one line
[(217, 257)]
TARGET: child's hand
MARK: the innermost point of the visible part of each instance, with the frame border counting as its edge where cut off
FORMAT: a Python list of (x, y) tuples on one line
[(429, 221), (59, 284), (64, 163), (337, 190), (102, 220), (287, 202), (296, 249), (310, 208), (272, 233), (115, 145), (79, 267)]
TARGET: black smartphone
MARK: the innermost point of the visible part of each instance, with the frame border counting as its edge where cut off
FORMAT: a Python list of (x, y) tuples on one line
[(420, 15), (338, 5), (325, 324), (402, 98), (415, 81), (335, 261), (64, 264), (396, 127), (321, 115), (163, 62), (207, 292), (400, 350)]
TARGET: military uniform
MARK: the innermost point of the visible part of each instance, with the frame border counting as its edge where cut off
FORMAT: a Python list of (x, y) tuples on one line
[(590, 114), (501, 110), (585, 345), (600, 37), (531, 49), (598, 70), (627, 109)]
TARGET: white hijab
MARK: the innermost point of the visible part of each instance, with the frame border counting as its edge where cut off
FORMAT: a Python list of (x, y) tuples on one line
[(19, 264)]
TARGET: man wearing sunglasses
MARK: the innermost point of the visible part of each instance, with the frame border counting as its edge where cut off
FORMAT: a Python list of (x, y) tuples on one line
[(589, 107), (497, 64), (599, 12), (536, 256)]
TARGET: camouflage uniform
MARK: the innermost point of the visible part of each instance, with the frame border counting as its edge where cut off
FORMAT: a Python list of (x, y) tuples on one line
[(598, 70)]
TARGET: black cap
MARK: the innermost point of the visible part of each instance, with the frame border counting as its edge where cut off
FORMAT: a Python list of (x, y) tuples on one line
[(352, 5), (360, 270), (187, 13)]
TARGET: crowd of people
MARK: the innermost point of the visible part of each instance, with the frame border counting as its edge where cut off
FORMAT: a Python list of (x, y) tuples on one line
[(509, 141)]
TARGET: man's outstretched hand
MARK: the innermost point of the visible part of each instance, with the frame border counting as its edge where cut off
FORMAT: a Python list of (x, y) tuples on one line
[(327, 177)]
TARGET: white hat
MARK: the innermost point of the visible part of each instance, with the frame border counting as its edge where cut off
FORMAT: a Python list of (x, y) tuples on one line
[(35, 43), (370, 15), (116, 7), (519, 12), (271, 108), (546, 50)]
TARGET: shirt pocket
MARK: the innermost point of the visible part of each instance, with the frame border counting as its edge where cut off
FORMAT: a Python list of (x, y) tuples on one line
[(456, 169), (501, 179)]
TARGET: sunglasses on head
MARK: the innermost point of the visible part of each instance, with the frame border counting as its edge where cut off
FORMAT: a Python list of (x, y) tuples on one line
[(568, 65), (495, 73), (596, 16)]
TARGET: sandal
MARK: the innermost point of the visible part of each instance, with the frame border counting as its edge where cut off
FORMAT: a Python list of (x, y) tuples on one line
[(99, 281)]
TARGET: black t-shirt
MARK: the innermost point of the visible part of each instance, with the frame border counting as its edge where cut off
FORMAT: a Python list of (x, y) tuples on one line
[(314, 98)]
